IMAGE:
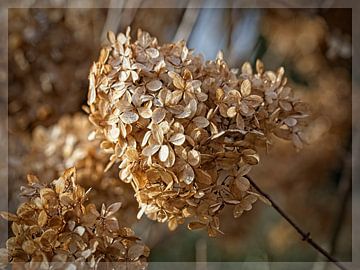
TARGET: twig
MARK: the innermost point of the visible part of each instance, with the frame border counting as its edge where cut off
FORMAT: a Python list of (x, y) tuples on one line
[(305, 235), (345, 190), (188, 21), (113, 17), (129, 13)]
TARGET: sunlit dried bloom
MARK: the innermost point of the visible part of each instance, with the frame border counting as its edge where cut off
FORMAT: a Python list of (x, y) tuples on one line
[(55, 225), (186, 132), (67, 144)]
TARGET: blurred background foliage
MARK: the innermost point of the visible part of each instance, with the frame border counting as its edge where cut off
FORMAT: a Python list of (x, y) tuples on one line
[(50, 53)]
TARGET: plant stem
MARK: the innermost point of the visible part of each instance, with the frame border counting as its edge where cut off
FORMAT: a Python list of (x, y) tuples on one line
[(305, 235)]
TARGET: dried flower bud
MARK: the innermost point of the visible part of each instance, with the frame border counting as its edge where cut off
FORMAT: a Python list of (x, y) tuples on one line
[(187, 131), (54, 225)]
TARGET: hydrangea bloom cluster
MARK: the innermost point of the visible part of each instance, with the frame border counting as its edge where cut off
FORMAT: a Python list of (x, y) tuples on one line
[(185, 132), (67, 144), (54, 225)]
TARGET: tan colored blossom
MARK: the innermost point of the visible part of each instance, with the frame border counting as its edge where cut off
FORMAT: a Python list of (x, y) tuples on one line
[(69, 143), (55, 225), (186, 132)]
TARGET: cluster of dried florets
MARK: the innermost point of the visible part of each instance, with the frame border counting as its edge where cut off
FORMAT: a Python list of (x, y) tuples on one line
[(66, 144), (54, 225), (185, 132)]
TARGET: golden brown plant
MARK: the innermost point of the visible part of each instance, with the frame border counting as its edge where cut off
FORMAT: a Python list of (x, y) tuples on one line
[(66, 144), (186, 132), (45, 63), (55, 225)]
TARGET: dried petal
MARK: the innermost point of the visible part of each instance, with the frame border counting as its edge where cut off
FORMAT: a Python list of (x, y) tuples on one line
[(164, 153), (129, 117), (154, 85), (245, 88), (187, 175), (177, 139)]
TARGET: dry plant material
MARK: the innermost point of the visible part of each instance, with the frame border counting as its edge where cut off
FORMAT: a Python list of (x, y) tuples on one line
[(185, 132), (46, 66), (55, 225), (66, 144)]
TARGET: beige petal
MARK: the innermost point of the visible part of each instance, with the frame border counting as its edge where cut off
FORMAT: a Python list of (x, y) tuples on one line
[(201, 122), (152, 52), (164, 153), (245, 88), (242, 183), (285, 105), (113, 208), (290, 122), (246, 69), (154, 85), (92, 91), (111, 37), (114, 133), (129, 117), (187, 175), (177, 139), (146, 138), (193, 157), (178, 81), (145, 112), (150, 150), (157, 133), (158, 115), (42, 218), (231, 112)]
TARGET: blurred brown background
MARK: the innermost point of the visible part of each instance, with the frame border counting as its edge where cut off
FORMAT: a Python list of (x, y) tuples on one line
[(50, 53)]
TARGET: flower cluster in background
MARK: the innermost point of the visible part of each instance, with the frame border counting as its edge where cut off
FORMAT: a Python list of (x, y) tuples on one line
[(55, 224)]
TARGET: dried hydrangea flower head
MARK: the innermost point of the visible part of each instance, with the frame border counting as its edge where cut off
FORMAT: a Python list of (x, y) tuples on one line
[(186, 132), (66, 144), (55, 225)]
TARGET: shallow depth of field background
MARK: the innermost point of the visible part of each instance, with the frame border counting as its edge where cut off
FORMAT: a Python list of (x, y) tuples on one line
[(50, 53)]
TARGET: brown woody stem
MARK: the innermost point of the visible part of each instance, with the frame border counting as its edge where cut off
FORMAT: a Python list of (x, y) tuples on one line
[(305, 235)]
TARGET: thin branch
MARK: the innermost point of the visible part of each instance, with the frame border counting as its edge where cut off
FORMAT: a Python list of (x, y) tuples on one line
[(128, 16), (305, 235), (188, 21), (345, 191), (113, 17)]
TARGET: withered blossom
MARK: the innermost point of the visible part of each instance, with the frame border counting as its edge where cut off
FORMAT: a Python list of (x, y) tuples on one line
[(68, 144), (55, 226), (185, 132)]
